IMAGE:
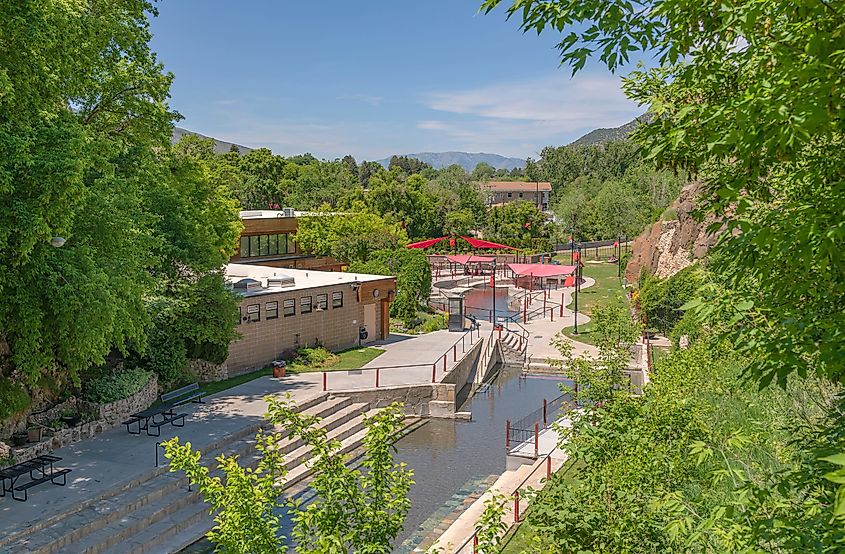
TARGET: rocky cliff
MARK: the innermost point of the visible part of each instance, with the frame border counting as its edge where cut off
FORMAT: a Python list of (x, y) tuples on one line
[(674, 242)]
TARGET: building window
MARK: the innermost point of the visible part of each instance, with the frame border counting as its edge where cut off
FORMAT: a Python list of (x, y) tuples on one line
[(510, 195), (283, 244), (322, 301), (289, 307), (271, 310), (244, 247), (337, 299), (520, 195), (291, 244), (305, 305), (253, 312), (264, 245), (274, 245)]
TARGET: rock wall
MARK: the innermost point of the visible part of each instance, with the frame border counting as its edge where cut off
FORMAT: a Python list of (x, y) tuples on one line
[(106, 416), (207, 372), (670, 245)]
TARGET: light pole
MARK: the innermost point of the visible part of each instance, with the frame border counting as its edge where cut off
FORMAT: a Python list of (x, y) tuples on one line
[(577, 286), (619, 256), (572, 241), (493, 292)]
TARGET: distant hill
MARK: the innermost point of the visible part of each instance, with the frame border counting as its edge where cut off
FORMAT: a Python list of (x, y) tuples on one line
[(220, 146), (600, 136), (466, 160)]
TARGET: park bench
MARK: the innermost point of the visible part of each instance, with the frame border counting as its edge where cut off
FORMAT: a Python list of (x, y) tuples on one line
[(146, 419), (38, 464)]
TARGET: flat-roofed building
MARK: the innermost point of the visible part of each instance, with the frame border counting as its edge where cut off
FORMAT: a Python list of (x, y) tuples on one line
[(505, 192), (283, 309), (269, 238)]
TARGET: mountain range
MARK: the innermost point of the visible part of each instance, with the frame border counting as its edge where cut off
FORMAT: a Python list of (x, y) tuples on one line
[(600, 136), (438, 160), (220, 146), (466, 160)]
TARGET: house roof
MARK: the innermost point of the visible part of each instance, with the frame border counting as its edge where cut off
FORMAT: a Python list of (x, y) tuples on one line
[(259, 279), (516, 186)]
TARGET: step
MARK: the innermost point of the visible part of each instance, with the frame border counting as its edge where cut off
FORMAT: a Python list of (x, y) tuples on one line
[(52, 535), (189, 525), (196, 517)]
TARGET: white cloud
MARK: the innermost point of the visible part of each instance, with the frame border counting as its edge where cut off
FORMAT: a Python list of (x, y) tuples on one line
[(549, 110), (370, 99)]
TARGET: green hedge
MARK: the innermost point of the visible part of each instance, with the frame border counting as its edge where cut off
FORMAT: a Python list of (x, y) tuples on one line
[(109, 388), (13, 398)]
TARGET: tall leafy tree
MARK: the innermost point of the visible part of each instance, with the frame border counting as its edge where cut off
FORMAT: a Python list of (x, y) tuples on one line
[(83, 106)]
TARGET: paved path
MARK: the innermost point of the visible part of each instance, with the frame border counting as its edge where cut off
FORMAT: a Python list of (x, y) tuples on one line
[(115, 457)]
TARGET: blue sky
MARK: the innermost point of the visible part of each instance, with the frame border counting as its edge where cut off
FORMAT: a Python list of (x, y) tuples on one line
[(375, 78)]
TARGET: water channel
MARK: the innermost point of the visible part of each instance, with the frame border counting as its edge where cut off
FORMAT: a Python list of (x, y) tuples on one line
[(478, 302), (453, 458)]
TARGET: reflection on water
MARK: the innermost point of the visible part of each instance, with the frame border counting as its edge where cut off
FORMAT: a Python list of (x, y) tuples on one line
[(478, 303), (446, 454)]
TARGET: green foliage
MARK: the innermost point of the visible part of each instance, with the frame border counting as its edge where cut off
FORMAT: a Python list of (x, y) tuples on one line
[(413, 279), (315, 357), (355, 510), (433, 323), (490, 528), (661, 299), (115, 386), (14, 398), (519, 224), (349, 237)]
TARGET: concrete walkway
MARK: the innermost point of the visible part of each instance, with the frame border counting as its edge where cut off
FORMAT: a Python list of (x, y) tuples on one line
[(115, 458)]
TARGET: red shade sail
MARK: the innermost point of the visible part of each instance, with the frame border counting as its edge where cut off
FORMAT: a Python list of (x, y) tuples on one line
[(541, 270), (478, 243), (465, 259), (425, 243)]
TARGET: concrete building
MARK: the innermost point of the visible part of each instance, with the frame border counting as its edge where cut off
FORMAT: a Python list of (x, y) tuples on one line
[(505, 192), (269, 238), (286, 309)]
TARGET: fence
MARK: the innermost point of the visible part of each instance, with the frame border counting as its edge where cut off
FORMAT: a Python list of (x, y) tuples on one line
[(439, 365), (528, 427), (515, 498)]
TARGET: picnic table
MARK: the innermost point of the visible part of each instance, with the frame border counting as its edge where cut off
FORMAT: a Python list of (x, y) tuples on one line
[(146, 419), (39, 464)]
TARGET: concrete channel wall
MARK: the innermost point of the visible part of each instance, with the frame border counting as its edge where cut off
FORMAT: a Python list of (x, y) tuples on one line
[(425, 399)]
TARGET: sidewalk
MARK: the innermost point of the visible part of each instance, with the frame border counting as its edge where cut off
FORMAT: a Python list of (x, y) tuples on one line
[(115, 458)]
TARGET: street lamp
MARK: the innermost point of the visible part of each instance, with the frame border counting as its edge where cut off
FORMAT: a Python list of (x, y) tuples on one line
[(619, 256)]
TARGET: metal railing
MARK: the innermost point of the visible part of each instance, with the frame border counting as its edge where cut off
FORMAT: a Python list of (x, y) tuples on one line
[(467, 340), (514, 497)]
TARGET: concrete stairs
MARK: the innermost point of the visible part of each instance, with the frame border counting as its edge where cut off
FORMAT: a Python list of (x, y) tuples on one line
[(156, 513)]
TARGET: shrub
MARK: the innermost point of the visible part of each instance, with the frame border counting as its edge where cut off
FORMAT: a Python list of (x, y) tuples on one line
[(14, 398), (109, 388), (315, 357), (434, 323), (166, 354)]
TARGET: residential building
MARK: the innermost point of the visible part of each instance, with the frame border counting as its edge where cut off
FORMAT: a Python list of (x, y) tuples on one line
[(505, 192), (269, 238), (285, 309)]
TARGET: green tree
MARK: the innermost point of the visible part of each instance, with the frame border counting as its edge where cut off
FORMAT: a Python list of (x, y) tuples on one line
[(348, 237), (84, 112), (355, 510)]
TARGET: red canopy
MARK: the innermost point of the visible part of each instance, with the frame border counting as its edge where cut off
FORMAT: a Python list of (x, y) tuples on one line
[(465, 259), (425, 243), (542, 270), (478, 243)]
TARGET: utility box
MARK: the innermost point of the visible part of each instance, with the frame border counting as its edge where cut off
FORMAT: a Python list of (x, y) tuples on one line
[(456, 312)]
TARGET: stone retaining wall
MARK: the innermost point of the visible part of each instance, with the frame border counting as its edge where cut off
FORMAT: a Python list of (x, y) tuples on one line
[(106, 417), (417, 399), (208, 372)]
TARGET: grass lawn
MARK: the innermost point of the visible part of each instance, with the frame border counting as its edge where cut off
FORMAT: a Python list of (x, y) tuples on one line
[(606, 290), (518, 540), (353, 358), (212, 388), (349, 359)]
